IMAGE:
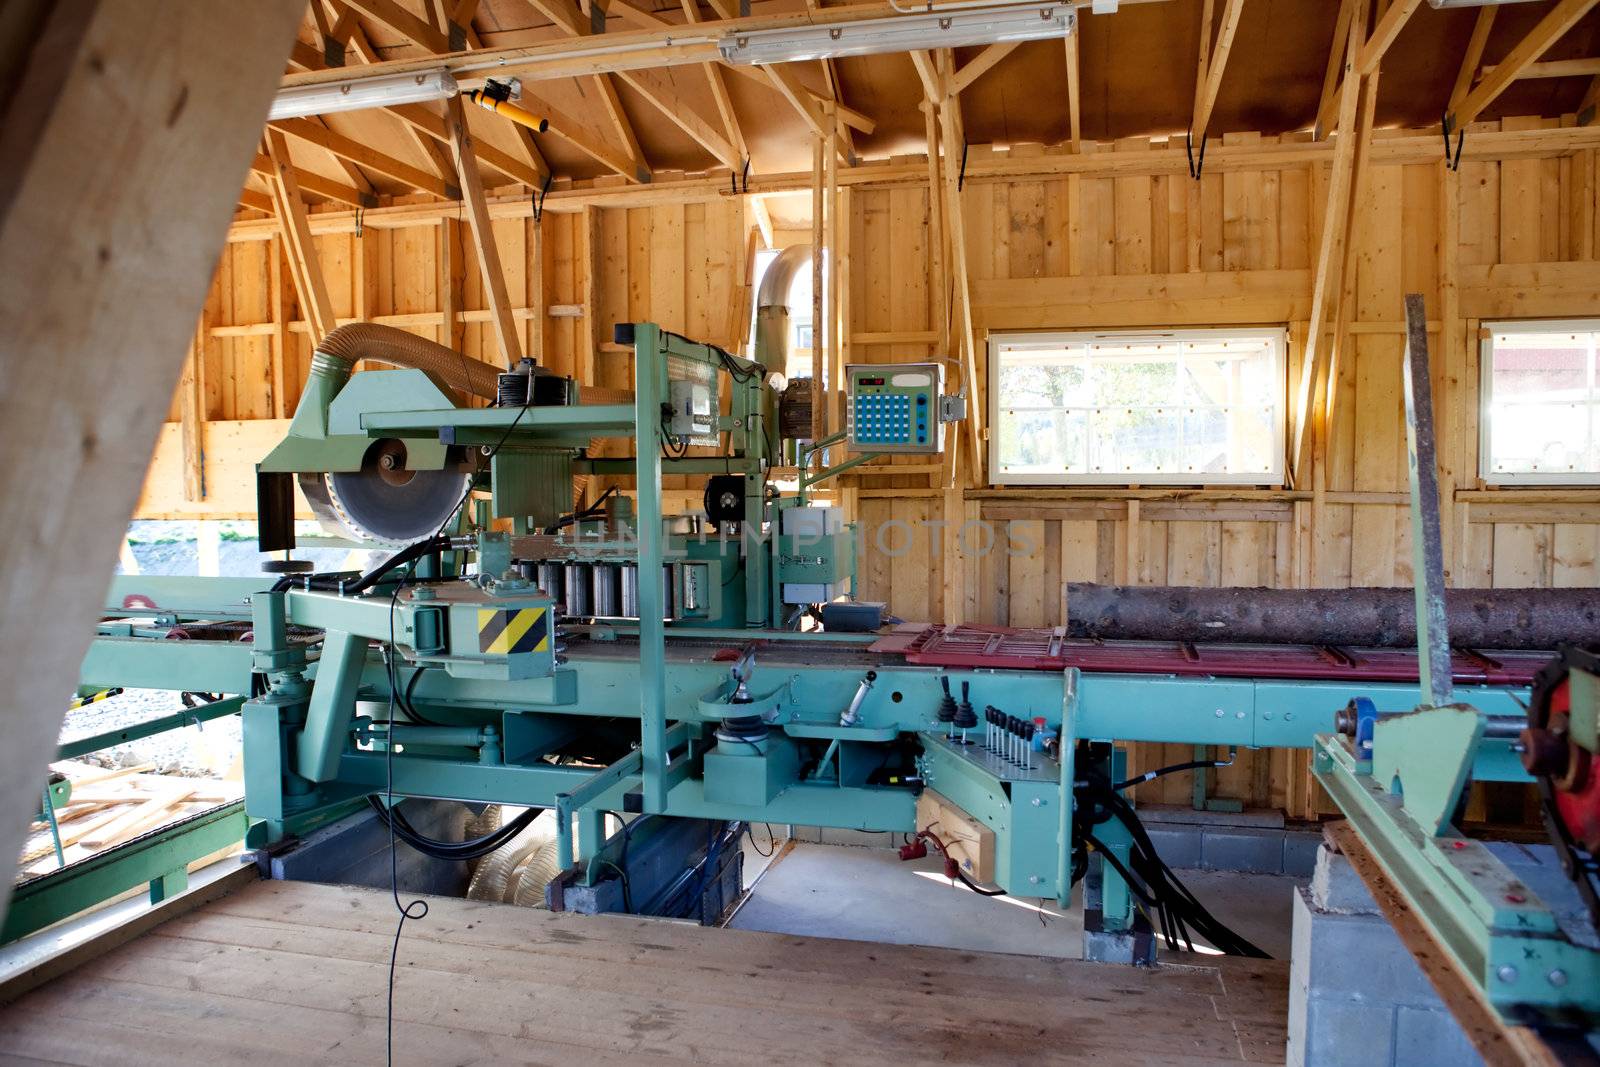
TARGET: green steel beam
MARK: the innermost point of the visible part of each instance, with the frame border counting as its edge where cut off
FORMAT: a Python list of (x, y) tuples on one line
[(156, 859), (188, 717)]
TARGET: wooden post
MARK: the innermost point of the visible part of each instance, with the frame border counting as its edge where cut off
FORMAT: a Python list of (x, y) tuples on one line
[(277, 301), (494, 279), (590, 337), (819, 379), (452, 285), (111, 219), (829, 335)]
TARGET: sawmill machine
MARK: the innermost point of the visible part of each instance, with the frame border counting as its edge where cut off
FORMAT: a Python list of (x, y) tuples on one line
[(546, 631)]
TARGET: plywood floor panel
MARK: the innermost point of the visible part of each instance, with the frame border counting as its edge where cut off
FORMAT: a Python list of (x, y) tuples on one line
[(294, 972)]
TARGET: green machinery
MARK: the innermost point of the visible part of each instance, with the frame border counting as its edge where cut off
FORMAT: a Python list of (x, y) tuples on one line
[(618, 659)]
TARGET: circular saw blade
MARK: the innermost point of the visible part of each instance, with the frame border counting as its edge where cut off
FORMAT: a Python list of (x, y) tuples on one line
[(386, 506)]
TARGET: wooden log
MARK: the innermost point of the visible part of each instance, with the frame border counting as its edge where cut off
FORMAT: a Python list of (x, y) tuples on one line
[(1478, 618)]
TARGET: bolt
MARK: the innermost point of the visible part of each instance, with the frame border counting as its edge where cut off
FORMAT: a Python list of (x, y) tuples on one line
[(1288, 716), (1219, 713), (1238, 715), (1033, 879), (1038, 802), (1506, 973), (1557, 977), (1267, 715)]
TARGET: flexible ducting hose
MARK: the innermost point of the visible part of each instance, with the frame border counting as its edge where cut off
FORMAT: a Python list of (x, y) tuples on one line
[(492, 879), (386, 344)]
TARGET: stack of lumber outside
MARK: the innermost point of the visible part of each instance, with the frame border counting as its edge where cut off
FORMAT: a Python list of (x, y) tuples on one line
[(109, 807)]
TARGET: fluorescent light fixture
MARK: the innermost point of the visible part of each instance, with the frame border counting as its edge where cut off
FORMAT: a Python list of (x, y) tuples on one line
[(355, 94), (901, 33)]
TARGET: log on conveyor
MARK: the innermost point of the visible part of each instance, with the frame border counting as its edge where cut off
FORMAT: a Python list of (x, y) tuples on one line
[(1478, 618)]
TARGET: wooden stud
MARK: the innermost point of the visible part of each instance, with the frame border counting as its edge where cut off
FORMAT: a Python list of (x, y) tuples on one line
[(1328, 106), (494, 279), (1384, 34), (409, 26), (1074, 91), (589, 336), (819, 399)]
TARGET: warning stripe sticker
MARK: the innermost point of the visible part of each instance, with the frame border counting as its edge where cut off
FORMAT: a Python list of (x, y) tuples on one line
[(505, 632)]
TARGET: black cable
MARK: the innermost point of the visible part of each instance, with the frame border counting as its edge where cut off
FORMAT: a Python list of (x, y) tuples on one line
[(417, 909), (772, 840), (1175, 768), (471, 849), (627, 892), (410, 708)]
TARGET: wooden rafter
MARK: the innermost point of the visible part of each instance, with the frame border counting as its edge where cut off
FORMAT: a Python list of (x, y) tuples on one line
[(654, 87), (577, 134), (424, 121), (1328, 105), (494, 279), (372, 159), (317, 184), (416, 30), (1216, 62), (981, 64), (719, 91), (1557, 68), (1549, 29), (1074, 91), (1384, 34), (1330, 249), (304, 266)]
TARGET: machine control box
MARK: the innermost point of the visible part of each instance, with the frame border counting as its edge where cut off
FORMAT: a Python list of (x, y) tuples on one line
[(894, 407)]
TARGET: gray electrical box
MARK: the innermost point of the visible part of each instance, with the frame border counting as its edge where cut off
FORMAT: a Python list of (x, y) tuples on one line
[(692, 414)]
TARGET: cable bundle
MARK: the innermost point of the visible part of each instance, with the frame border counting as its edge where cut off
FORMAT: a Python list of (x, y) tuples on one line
[(450, 850), (1163, 898)]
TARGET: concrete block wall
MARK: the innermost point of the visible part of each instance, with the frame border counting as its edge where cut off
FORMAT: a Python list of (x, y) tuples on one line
[(1356, 994)]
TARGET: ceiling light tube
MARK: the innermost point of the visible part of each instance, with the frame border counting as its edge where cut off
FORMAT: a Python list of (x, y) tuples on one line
[(355, 94), (902, 33)]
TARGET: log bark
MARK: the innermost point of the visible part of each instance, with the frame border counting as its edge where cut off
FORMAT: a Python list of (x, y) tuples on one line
[(1479, 618)]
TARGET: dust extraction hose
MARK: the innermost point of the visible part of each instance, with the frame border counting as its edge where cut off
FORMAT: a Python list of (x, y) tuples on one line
[(386, 344)]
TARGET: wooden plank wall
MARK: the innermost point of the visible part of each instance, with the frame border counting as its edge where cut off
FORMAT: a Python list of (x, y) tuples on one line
[(1513, 238)]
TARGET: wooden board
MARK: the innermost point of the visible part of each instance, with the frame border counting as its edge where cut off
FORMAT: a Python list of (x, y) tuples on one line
[(294, 972), (970, 843)]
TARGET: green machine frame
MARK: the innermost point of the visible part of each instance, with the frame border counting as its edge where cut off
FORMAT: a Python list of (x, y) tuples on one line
[(314, 746)]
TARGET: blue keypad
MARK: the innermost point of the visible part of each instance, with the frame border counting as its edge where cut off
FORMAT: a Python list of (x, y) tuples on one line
[(887, 419)]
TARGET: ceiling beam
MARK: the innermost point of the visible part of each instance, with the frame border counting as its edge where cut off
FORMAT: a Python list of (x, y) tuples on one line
[(981, 64), (494, 278), (304, 265), (576, 134), (1328, 106), (1474, 56), (719, 94), (653, 86), (1074, 90), (419, 118), (361, 155), (1549, 29), (1384, 34), (1330, 249), (1206, 96), (416, 30), (1559, 68), (316, 183)]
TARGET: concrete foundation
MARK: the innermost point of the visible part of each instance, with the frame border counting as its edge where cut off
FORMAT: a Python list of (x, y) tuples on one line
[(1356, 994)]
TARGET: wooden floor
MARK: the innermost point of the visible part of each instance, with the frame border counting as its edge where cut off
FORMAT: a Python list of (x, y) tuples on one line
[(291, 972)]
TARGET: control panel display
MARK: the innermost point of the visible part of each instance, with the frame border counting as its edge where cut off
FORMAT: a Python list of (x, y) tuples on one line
[(894, 408)]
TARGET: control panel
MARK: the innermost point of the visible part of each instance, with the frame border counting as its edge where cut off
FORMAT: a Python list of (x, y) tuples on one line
[(894, 407)]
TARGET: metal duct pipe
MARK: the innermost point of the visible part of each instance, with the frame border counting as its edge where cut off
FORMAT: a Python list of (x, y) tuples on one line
[(772, 307), (1478, 618)]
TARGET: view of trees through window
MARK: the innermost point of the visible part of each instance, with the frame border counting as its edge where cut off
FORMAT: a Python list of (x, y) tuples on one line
[(1541, 418), (1192, 406)]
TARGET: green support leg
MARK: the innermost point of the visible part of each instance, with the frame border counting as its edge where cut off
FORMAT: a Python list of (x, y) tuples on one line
[(169, 885)]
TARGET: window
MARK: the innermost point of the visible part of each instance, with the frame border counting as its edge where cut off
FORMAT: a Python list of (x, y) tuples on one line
[(1191, 406), (1541, 408)]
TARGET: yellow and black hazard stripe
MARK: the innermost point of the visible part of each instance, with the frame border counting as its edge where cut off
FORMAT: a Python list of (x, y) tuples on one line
[(521, 630)]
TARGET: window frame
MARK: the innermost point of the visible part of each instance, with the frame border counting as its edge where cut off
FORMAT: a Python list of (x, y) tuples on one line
[(1274, 478), (1486, 331)]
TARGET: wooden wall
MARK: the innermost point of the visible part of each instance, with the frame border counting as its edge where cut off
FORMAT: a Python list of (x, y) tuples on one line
[(1510, 238)]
